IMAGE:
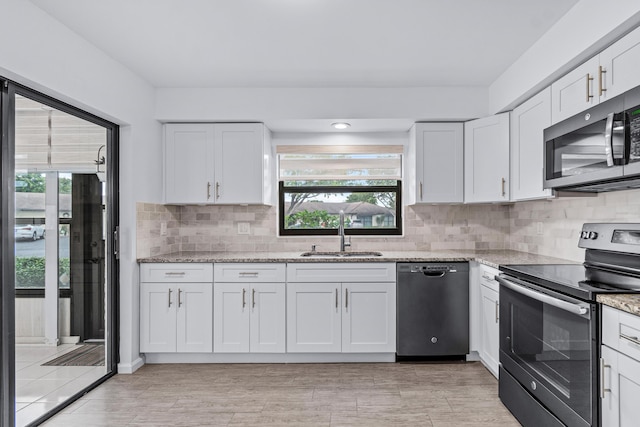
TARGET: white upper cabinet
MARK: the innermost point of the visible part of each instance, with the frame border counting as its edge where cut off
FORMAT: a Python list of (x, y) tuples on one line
[(486, 159), (221, 163), (438, 163), (188, 158), (604, 76), (621, 62), (528, 122)]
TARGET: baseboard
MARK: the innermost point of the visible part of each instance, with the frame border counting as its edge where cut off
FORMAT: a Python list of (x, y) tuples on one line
[(152, 358), (130, 368)]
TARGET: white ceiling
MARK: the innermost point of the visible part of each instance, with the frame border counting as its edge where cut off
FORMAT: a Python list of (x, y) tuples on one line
[(311, 43)]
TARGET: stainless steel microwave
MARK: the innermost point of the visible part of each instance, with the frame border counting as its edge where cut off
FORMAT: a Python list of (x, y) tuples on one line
[(596, 150)]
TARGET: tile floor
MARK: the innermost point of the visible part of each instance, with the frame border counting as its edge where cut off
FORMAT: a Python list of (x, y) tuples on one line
[(41, 388), (379, 394)]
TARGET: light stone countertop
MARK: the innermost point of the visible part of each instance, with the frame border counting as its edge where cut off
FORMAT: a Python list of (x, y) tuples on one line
[(629, 303), (493, 258)]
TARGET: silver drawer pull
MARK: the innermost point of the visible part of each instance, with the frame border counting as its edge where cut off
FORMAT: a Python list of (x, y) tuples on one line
[(174, 273), (248, 274), (634, 340), (488, 276), (603, 390)]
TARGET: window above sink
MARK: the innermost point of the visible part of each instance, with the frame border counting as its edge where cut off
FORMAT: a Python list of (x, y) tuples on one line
[(317, 182)]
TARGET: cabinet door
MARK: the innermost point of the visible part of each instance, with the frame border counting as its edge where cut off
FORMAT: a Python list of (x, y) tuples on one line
[(621, 62), (621, 382), (486, 159), (231, 318), (490, 333), (313, 318), (239, 161), (188, 159), (528, 122), (158, 305), (195, 318), (368, 318), (439, 157), (575, 92), (267, 318)]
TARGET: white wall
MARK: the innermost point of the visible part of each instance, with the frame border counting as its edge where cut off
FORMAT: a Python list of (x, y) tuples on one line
[(266, 104), (39, 52), (586, 29)]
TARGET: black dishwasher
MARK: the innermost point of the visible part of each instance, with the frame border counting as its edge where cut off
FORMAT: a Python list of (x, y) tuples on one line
[(432, 309)]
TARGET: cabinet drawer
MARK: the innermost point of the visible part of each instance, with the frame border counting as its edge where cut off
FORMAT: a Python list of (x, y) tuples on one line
[(487, 277), (249, 272), (341, 272), (176, 272), (621, 331)]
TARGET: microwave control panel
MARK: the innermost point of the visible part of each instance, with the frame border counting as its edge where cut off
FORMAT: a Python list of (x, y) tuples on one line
[(634, 133)]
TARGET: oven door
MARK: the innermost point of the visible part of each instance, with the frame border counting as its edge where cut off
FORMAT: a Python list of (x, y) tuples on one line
[(548, 343)]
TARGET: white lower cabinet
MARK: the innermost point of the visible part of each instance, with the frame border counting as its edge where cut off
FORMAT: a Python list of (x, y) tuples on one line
[(249, 308), (249, 318), (341, 317), (489, 348), (176, 315), (620, 368), (331, 316)]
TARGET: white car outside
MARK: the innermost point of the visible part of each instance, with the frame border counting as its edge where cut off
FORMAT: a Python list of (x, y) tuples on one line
[(29, 231)]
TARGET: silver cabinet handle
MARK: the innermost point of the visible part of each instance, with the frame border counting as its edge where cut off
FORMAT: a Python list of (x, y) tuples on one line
[(589, 80), (169, 297), (346, 298), (504, 181), (248, 274), (497, 311), (602, 368), (634, 340), (217, 190), (420, 190), (580, 309), (253, 298), (488, 276), (244, 303), (601, 88), (336, 298), (208, 190), (179, 297), (174, 273)]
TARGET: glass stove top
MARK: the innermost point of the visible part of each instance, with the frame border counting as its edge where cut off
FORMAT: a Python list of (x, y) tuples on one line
[(566, 278)]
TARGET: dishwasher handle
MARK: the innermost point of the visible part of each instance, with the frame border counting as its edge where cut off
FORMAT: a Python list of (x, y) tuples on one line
[(434, 274)]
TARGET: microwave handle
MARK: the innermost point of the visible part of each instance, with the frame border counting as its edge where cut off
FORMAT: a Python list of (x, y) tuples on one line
[(608, 139), (579, 309)]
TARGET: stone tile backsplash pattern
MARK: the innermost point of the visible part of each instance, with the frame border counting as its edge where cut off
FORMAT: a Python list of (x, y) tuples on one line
[(429, 227)]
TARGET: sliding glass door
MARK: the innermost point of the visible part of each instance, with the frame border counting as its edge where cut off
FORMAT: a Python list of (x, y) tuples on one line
[(61, 294)]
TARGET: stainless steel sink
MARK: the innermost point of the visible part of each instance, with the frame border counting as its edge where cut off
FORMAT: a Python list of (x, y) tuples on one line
[(338, 254)]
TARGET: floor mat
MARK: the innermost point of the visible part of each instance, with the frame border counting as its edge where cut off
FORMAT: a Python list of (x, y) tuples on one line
[(85, 355)]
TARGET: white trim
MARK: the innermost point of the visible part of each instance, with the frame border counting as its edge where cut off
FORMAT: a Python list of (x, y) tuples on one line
[(152, 358), (130, 368)]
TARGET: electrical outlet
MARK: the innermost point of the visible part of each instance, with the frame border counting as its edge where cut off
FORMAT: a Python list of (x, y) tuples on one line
[(244, 228), (539, 228), (163, 228)]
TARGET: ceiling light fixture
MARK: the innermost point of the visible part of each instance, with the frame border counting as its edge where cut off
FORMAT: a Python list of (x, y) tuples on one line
[(340, 125)]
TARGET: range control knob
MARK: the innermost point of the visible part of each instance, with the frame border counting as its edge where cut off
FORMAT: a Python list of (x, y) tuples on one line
[(584, 235), (434, 340), (593, 235)]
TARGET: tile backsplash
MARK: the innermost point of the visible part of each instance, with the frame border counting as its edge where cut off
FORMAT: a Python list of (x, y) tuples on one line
[(545, 227)]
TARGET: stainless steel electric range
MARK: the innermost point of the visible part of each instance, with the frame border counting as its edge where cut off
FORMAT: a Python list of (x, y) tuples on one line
[(550, 327)]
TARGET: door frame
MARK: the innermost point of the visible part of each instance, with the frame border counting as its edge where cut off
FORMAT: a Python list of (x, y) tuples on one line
[(7, 245)]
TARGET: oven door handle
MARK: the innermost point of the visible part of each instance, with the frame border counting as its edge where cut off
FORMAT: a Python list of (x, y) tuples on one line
[(579, 309)]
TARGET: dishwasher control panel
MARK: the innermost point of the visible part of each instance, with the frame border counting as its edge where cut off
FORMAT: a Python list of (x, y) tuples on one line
[(449, 267)]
